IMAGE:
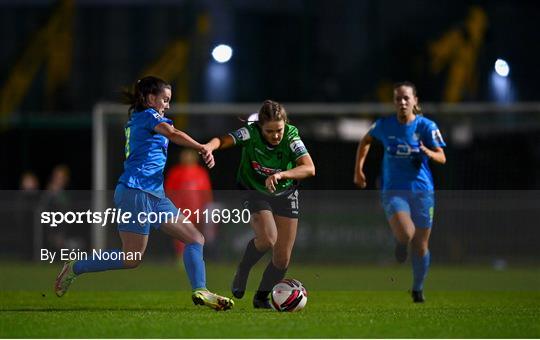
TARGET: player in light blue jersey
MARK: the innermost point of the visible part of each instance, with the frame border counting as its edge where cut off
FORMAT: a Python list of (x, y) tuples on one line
[(410, 141), (140, 190)]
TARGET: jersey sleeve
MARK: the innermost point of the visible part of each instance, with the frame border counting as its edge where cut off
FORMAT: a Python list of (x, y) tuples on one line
[(375, 130), (432, 136), (152, 118), (296, 145), (242, 136)]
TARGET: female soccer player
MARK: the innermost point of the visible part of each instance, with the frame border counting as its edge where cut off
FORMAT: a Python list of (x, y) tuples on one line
[(273, 160), (140, 189), (410, 141)]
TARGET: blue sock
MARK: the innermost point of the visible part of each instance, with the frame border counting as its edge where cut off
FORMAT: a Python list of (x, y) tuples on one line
[(420, 266), (96, 265), (194, 264)]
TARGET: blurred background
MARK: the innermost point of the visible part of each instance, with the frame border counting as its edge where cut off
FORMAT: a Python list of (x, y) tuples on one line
[(332, 63)]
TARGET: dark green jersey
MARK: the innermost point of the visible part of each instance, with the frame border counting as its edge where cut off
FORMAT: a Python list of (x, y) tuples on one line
[(260, 160)]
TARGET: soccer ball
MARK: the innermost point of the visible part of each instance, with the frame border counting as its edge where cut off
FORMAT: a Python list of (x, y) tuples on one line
[(289, 295)]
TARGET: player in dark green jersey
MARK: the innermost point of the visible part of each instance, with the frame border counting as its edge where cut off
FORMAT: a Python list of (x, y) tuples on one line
[(273, 160)]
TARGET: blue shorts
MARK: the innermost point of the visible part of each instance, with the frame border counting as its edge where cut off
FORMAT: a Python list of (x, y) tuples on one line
[(420, 205), (146, 210)]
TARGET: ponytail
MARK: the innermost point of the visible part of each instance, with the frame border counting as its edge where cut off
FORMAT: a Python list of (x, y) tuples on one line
[(136, 99)]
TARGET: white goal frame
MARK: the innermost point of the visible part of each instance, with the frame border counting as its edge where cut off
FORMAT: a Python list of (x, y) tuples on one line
[(99, 135)]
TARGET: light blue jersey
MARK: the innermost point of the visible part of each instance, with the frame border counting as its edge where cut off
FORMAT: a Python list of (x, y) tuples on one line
[(146, 153), (405, 167)]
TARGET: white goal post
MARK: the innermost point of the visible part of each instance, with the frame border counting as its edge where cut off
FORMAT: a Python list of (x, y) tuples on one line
[(358, 110)]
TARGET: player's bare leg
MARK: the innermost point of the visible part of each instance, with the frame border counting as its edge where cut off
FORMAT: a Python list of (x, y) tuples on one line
[(403, 229)]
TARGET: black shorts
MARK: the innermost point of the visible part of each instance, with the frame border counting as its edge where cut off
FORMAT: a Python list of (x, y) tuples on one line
[(285, 205)]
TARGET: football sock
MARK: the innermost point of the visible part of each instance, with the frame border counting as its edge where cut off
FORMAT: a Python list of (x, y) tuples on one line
[(96, 265), (194, 264), (271, 277), (420, 266), (251, 256)]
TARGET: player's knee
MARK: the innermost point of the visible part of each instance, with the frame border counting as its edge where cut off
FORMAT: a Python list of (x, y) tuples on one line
[(420, 248), (266, 242), (195, 238), (421, 252), (256, 218)]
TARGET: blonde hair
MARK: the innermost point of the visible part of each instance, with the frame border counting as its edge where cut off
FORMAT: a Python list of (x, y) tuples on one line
[(272, 111)]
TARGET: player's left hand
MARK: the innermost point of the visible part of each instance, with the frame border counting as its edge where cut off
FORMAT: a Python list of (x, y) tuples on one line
[(272, 181), (425, 150)]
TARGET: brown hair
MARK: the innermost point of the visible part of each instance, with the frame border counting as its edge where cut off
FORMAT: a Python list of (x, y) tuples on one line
[(272, 111), (136, 99), (416, 109)]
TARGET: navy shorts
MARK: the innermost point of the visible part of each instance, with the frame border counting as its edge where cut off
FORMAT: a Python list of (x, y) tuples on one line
[(146, 210), (420, 205), (285, 205)]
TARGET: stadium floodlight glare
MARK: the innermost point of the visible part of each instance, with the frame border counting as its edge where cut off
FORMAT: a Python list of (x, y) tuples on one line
[(502, 68), (222, 53)]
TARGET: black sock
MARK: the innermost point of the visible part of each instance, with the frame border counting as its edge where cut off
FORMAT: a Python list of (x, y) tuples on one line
[(251, 256), (271, 277)]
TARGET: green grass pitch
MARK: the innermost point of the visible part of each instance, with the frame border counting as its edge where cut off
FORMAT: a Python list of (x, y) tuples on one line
[(344, 302)]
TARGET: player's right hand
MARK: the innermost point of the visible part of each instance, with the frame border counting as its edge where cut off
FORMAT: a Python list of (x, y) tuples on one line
[(360, 179), (207, 156)]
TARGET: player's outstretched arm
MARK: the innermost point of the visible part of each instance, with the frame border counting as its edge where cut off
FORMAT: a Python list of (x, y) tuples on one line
[(218, 143), (176, 136), (361, 154), (183, 139)]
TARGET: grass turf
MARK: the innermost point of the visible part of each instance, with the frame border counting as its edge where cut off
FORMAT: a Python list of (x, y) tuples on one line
[(344, 301)]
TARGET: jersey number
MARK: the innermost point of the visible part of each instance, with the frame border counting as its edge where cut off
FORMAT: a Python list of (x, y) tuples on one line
[(293, 199)]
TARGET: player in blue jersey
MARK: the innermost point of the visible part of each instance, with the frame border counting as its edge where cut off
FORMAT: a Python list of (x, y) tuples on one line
[(140, 190), (410, 141)]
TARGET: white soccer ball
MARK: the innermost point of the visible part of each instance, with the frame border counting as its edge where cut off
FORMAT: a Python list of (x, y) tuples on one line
[(289, 295)]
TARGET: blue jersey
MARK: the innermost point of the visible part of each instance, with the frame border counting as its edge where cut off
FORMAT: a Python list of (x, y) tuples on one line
[(146, 153), (405, 167)]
